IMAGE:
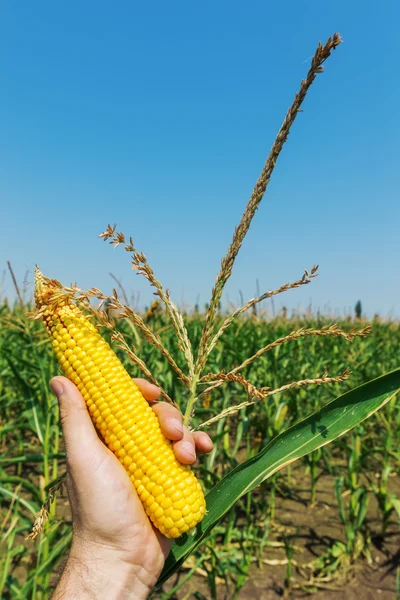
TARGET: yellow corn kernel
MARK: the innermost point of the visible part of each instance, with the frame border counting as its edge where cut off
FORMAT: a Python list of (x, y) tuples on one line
[(168, 490)]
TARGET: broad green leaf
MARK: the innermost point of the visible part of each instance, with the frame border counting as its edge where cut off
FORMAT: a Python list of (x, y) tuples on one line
[(333, 420)]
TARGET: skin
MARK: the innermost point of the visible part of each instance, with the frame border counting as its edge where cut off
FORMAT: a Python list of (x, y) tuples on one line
[(116, 553)]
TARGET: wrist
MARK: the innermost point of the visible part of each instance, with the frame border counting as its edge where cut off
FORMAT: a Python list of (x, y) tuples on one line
[(95, 571)]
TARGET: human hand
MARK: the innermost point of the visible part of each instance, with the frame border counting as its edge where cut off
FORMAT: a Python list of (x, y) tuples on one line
[(116, 552)]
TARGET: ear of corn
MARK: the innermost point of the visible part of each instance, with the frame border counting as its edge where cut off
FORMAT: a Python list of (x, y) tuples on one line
[(170, 493)]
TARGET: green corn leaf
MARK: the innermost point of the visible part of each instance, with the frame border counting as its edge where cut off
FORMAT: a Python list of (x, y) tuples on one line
[(362, 509), (395, 501), (339, 481), (29, 505), (333, 420), (24, 483), (31, 458)]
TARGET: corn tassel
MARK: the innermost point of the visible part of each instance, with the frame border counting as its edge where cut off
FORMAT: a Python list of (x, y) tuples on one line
[(169, 491)]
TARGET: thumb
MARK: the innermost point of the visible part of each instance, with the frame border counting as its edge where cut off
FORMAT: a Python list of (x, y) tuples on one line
[(77, 426)]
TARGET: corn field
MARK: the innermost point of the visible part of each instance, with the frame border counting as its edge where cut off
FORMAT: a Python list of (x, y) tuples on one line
[(312, 526)]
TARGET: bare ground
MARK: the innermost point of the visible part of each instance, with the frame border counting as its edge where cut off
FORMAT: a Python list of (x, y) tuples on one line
[(318, 528)]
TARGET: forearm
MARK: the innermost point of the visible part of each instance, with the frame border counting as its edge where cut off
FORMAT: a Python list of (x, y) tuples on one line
[(93, 575)]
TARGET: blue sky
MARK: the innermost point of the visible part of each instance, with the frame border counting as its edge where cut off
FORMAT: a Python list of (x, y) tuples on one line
[(159, 116)]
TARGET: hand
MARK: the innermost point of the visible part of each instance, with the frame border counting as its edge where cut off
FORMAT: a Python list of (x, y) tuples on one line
[(116, 552)]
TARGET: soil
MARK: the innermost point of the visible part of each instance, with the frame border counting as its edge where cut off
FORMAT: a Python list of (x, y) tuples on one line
[(318, 528)]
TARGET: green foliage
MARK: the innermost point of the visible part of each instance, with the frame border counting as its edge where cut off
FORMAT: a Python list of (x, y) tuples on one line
[(363, 462)]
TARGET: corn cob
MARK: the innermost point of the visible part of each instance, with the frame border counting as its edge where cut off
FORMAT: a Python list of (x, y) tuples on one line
[(169, 491)]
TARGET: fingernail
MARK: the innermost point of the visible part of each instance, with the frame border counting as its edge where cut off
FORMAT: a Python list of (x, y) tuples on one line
[(187, 446), (177, 425), (57, 388)]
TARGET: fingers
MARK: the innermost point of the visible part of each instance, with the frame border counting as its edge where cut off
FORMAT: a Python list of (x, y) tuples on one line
[(186, 443), (192, 443), (203, 442), (184, 449), (170, 420), (75, 420), (150, 391)]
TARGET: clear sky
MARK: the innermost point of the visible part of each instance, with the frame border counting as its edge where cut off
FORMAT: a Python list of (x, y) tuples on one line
[(158, 116)]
